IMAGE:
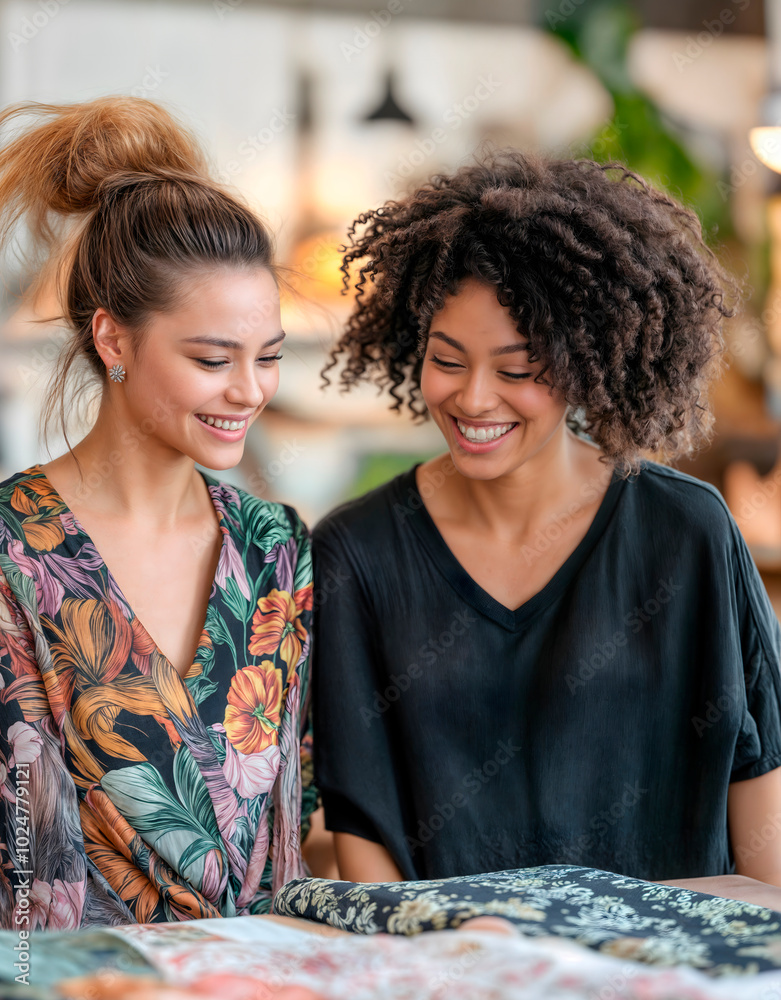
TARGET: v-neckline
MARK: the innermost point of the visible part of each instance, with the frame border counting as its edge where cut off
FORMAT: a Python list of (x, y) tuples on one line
[(112, 581), (465, 584)]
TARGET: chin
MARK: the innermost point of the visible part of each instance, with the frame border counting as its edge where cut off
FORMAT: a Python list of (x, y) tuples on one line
[(219, 459), (220, 464), (470, 468)]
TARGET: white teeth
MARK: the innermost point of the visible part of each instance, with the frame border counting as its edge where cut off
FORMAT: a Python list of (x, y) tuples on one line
[(484, 433), (225, 425)]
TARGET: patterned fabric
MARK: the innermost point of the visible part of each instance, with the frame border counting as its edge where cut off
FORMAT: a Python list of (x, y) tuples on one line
[(129, 793), (55, 955), (255, 958), (613, 914)]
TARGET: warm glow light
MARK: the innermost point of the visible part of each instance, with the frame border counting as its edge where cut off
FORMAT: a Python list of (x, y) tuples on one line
[(316, 261), (766, 143)]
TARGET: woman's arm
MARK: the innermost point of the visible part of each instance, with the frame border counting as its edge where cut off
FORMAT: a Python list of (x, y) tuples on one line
[(362, 860), (754, 818), (754, 792), (318, 848)]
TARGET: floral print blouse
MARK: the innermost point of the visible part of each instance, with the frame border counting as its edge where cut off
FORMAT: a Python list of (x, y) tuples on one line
[(129, 793)]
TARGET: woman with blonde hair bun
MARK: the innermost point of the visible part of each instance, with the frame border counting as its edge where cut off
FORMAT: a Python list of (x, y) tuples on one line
[(154, 622)]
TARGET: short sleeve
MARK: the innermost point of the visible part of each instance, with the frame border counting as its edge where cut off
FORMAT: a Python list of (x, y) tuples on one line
[(353, 759), (758, 747), (42, 857)]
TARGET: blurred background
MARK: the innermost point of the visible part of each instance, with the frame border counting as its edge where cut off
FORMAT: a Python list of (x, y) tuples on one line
[(319, 111)]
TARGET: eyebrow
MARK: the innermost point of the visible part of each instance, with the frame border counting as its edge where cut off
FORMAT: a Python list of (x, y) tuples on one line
[(507, 349), (235, 345)]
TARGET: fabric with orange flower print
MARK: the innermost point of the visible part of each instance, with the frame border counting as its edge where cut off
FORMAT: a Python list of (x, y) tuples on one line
[(254, 704), (277, 627), (147, 796)]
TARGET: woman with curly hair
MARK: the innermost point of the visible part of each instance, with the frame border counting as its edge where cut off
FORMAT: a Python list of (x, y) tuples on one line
[(544, 646)]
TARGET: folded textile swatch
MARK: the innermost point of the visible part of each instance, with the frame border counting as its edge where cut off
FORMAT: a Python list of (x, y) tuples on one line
[(613, 914)]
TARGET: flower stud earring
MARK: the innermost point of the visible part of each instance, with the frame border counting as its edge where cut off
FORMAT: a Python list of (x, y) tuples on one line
[(117, 373)]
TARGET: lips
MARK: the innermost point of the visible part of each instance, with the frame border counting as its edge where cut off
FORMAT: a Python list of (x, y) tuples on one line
[(477, 438), (222, 423), (484, 432), (224, 428)]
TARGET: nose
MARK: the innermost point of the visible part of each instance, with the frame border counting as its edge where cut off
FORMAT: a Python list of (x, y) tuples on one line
[(475, 395), (245, 388)]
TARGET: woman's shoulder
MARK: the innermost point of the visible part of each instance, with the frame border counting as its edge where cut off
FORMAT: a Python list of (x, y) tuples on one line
[(369, 516), (679, 500), (28, 480), (265, 522), (28, 495), (699, 528)]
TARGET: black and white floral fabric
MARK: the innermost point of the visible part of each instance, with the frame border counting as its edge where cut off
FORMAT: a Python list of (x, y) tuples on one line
[(613, 914)]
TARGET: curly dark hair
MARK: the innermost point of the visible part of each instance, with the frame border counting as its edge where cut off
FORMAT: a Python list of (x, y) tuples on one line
[(609, 279)]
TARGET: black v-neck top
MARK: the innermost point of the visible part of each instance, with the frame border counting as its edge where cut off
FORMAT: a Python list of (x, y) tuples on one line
[(472, 593), (599, 724)]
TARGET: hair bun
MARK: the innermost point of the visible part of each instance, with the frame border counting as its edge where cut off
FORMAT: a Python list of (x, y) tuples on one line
[(58, 163)]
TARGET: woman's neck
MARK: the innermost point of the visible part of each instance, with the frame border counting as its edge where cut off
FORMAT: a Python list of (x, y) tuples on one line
[(561, 480), (119, 472)]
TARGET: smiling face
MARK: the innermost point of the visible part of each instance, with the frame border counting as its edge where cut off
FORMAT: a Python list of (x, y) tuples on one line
[(479, 387), (203, 371)]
